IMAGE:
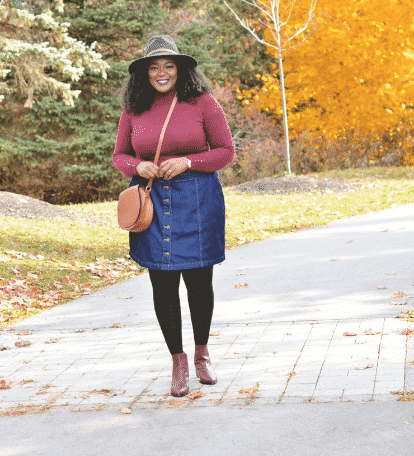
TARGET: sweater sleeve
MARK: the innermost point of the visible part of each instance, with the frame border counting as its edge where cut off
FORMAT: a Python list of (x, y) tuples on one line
[(218, 136), (124, 156)]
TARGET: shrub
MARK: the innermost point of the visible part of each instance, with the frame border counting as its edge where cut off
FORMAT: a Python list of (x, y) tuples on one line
[(260, 151), (312, 153)]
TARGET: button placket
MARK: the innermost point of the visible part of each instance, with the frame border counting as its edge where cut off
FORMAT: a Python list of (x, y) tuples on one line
[(166, 232)]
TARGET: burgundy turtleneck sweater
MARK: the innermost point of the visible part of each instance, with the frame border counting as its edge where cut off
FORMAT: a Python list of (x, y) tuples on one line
[(196, 130)]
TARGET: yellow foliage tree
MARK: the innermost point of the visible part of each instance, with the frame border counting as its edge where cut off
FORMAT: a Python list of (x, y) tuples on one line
[(355, 73)]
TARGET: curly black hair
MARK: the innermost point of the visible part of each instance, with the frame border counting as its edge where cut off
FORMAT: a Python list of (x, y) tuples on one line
[(137, 94)]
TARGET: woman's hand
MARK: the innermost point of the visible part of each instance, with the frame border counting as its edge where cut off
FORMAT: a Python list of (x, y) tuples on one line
[(149, 170), (172, 167)]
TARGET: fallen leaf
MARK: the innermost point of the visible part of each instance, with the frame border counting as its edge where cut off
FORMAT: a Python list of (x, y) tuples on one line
[(36, 257), (398, 294), (17, 270), (241, 285), (23, 343), (381, 287), (23, 333), (335, 259), (125, 297), (80, 331), (390, 273), (214, 334), (19, 306), (411, 362), (242, 272), (3, 347), (406, 332), (10, 329), (369, 366), (33, 276), (194, 395), (64, 250), (399, 303), (117, 325), (4, 385), (126, 411), (370, 332), (349, 334), (176, 402), (403, 314), (252, 390), (54, 340)]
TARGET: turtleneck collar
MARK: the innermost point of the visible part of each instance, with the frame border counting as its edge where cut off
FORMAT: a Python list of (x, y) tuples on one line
[(165, 97)]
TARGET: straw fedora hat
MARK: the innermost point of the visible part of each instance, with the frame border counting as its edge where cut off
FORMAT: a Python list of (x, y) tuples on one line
[(161, 46)]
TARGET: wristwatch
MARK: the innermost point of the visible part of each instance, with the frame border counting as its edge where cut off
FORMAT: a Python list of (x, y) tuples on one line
[(189, 163)]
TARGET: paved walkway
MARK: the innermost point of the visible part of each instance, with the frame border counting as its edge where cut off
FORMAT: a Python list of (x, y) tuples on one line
[(280, 338)]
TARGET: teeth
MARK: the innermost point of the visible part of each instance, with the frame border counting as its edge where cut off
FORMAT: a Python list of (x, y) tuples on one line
[(163, 81)]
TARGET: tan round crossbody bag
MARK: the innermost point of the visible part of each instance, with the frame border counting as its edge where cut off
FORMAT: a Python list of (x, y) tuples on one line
[(135, 208)]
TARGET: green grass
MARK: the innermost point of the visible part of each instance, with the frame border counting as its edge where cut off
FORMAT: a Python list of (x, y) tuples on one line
[(62, 261), (366, 174), (65, 259), (257, 217)]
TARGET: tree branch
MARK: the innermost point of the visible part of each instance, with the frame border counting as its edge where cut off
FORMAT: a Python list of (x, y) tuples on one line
[(290, 12), (303, 28), (293, 47), (254, 5), (244, 25)]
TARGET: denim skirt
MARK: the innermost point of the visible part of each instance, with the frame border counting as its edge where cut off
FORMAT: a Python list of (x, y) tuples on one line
[(187, 230)]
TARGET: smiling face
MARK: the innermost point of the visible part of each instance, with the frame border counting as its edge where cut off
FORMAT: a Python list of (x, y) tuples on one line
[(162, 73)]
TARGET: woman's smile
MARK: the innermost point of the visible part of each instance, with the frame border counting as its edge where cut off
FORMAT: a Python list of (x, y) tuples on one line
[(162, 74)]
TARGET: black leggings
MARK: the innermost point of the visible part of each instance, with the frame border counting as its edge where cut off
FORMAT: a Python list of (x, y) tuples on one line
[(199, 283)]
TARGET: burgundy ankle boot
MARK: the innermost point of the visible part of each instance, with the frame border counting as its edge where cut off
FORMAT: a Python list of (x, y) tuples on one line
[(180, 375), (203, 365)]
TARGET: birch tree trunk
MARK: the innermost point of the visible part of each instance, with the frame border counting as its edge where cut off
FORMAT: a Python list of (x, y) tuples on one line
[(271, 18)]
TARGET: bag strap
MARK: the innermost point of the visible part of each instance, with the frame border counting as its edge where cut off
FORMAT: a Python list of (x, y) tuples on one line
[(157, 153)]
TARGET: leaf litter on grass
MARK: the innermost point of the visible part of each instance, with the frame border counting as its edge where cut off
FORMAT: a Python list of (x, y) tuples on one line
[(26, 292), (39, 252)]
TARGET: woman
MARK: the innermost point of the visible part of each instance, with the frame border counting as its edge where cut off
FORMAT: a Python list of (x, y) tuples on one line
[(186, 236)]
